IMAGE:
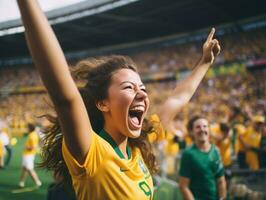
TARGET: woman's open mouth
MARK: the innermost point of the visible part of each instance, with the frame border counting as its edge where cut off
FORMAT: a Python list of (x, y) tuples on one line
[(135, 117)]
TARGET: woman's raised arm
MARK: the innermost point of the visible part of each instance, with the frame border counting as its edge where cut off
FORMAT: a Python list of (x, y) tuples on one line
[(187, 87), (49, 59)]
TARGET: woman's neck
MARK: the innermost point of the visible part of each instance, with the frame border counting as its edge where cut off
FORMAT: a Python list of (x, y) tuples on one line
[(120, 140)]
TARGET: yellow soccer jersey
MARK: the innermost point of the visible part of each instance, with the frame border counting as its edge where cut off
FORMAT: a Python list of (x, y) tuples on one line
[(106, 175), (31, 145)]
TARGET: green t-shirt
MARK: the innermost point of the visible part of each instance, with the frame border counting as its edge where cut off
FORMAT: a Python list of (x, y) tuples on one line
[(203, 169)]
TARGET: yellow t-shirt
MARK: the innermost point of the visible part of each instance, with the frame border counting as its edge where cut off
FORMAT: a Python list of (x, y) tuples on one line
[(31, 142), (225, 151), (105, 175), (1, 149), (159, 134), (240, 131), (171, 148), (252, 139), (223, 145)]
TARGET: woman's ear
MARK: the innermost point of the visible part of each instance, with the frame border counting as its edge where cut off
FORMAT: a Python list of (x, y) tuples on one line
[(102, 105)]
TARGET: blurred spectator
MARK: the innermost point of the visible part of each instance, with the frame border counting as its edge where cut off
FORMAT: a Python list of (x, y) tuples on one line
[(201, 170), (30, 149), (4, 137), (262, 149), (251, 141), (222, 139)]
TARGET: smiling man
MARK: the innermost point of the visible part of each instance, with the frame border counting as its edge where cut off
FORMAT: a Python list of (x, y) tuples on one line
[(201, 170)]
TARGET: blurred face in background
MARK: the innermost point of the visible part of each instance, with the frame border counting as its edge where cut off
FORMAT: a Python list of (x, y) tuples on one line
[(200, 131)]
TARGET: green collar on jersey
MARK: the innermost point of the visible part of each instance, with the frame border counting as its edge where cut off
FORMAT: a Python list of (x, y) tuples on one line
[(103, 134)]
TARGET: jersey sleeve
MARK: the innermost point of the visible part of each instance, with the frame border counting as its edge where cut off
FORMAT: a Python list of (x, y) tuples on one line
[(94, 158), (185, 169)]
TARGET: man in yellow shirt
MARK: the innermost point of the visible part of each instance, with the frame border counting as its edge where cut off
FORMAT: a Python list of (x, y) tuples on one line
[(30, 149), (222, 139), (251, 142)]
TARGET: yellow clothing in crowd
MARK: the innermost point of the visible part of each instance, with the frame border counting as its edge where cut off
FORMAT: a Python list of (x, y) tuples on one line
[(252, 138), (240, 131), (223, 145), (188, 140), (105, 174), (215, 132), (172, 148), (158, 133), (1, 149), (225, 151), (18, 127), (31, 145)]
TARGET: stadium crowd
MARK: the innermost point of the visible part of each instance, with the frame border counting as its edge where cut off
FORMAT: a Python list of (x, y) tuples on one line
[(240, 47)]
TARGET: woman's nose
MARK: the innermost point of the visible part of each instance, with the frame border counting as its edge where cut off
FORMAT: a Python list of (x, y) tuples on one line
[(141, 94)]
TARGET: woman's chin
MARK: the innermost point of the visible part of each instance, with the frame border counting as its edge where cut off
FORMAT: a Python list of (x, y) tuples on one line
[(134, 133)]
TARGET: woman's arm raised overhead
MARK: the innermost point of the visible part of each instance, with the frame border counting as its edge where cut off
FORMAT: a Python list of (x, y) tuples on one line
[(187, 87), (49, 59)]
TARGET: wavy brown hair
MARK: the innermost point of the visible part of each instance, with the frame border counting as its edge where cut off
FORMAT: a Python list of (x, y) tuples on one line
[(97, 72)]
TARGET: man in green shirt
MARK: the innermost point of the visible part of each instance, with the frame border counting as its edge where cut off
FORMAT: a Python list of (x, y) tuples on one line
[(201, 171)]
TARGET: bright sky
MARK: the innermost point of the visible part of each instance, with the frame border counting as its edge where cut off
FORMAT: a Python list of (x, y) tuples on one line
[(9, 8)]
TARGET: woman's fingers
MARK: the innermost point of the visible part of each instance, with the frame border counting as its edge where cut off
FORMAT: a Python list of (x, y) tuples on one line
[(210, 36)]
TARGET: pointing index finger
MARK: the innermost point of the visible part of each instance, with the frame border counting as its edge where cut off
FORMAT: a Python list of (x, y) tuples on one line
[(210, 36)]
